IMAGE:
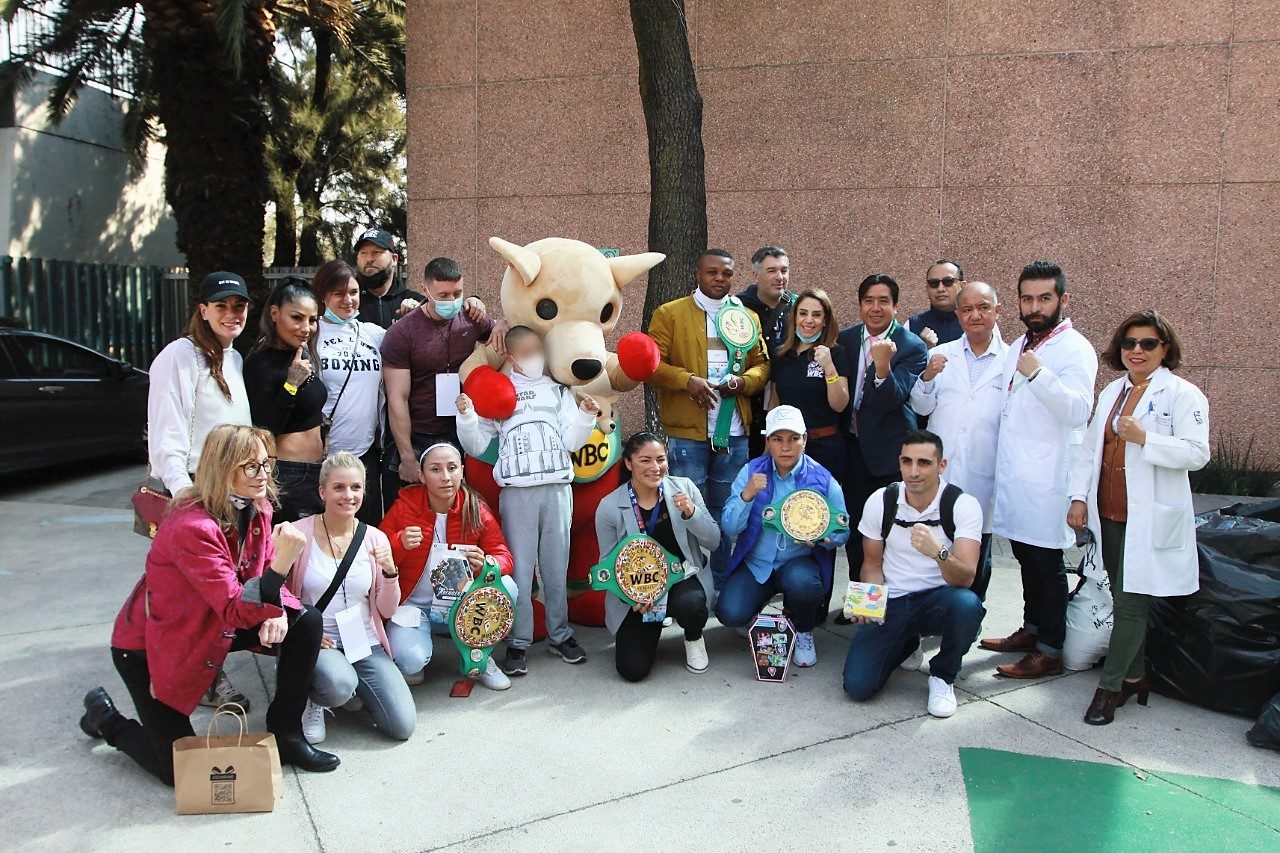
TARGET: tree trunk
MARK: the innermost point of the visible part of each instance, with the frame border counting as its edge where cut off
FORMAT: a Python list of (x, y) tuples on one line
[(215, 134), (286, 253), (677, 169)]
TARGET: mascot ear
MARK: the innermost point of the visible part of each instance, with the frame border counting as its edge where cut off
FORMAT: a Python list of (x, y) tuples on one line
[(526, 263), (627, 267)]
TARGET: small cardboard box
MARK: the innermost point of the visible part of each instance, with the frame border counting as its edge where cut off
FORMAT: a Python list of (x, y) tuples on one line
[(867, 600), (772, 638)]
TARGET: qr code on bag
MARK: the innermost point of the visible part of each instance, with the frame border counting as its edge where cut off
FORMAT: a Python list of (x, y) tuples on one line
[(224, 793)]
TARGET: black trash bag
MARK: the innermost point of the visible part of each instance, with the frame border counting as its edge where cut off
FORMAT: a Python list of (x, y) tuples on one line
[(1266, 732), (1220, 647)]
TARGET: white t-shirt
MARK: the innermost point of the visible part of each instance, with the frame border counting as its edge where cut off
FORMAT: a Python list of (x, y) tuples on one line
[(354, 591), (354, 349), (906, 569), (424, 593)]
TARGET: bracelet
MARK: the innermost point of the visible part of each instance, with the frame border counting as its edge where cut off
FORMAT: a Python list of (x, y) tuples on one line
[(833, 379), (292, 389), (391, 577), (1034, 374)]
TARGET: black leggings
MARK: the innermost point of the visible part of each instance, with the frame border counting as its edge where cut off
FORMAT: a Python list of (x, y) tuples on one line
[(149, 739), (636, 643)]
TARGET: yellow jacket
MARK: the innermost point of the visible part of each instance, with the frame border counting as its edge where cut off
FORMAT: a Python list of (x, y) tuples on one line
[(680, 329)]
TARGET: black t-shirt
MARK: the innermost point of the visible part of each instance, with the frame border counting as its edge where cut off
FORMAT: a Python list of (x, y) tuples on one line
[(275, 409), (663, 532), (800, 382)]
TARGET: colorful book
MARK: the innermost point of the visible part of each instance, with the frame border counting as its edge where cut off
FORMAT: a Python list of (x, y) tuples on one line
[(866, 600)]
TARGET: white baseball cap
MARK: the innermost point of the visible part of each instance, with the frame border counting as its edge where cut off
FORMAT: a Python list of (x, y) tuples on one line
[(784, 417)]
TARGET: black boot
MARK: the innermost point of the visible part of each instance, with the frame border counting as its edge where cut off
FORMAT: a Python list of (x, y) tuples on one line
[(98, 711), (295, 750)]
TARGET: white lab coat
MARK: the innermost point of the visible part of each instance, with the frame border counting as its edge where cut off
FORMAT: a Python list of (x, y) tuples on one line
[(967, 421), (1041, 426), (1160, 536)]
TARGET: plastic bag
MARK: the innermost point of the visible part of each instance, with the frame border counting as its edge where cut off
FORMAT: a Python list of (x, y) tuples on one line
[(1090, 614), (1220, 647), (1266, 733)]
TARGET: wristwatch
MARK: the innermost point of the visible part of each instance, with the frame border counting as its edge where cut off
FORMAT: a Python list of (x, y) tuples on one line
[(944, 554)]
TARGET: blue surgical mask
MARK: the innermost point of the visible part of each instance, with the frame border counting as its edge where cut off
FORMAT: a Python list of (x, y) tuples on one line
[(447, 308), (808, 339), (334, 318)]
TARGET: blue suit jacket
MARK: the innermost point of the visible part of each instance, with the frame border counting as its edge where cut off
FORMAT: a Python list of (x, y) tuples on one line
[(886, 414)]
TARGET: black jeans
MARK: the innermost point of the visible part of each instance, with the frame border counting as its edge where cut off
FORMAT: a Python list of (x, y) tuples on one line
[(858, 484), (391, 481), (299, 484), (636, 643), (371, 509), (1044, 595), (149, 739)]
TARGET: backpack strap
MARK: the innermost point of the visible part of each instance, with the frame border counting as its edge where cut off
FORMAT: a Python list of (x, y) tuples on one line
[(890, 513), (947, 509)]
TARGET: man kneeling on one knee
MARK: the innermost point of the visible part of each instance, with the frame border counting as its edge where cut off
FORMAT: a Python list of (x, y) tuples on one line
[(765, 562), (928, 560)]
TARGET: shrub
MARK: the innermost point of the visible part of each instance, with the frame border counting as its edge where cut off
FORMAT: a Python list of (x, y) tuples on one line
[(1233, 470)]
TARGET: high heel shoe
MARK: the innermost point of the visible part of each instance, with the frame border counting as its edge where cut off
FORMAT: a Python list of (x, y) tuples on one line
[(1139, 688), (1102, 710)]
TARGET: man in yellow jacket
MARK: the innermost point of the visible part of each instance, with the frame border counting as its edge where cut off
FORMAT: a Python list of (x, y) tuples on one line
[(713, 360)]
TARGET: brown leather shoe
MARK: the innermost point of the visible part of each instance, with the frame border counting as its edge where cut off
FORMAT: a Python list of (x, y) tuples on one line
[(1036, 664), (1102, 710), (1020, 640)]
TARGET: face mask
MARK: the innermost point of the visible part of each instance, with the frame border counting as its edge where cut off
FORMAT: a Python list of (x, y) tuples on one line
[(447, 308), (808, 339), (334, 318), (374, 281), (532, 366)]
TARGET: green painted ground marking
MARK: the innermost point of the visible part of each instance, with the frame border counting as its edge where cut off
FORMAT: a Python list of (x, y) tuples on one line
[(1027, 802)]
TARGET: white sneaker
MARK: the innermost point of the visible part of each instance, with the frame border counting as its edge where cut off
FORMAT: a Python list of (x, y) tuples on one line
[(493, 677), (313, 728), (942, 698), (695, 656), (417, 678), (914, 661), (806, 654)]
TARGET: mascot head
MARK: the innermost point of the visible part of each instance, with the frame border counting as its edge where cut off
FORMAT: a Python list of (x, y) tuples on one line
[(571, 295)]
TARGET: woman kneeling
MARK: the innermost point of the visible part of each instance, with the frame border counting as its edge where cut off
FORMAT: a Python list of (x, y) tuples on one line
[(346, 572), (212, 585)]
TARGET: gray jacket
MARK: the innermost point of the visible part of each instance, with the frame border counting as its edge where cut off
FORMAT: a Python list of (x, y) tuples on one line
[(615, 520)]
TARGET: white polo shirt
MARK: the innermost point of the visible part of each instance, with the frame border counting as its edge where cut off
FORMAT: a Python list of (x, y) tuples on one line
[(906, 570)]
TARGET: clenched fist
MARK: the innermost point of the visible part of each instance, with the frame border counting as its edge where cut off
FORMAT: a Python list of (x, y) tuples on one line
[(934, 367), (289, 542), (923, 540), (411, 537), (685, 504), (1029, 363), (929, 336), (882, 353), (462, 404), (757, 484)]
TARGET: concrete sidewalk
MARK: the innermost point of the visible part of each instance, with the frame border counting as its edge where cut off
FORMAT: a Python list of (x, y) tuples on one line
[(571, 758)]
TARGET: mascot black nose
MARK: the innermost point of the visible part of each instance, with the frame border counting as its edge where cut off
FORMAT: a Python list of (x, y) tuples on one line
[(586, 368)]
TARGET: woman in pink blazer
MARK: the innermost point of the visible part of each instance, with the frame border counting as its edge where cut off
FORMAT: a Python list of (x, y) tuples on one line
[(368, 593), (213, 585)]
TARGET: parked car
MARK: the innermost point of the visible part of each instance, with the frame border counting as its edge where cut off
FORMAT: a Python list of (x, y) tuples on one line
[(63, 402)]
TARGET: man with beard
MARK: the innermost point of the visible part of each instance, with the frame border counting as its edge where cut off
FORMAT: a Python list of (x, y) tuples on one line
[(769, 298), (1048, 377), (384, 298)]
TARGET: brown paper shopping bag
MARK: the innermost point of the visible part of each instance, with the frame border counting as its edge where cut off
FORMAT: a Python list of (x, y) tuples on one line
[(222, 774)]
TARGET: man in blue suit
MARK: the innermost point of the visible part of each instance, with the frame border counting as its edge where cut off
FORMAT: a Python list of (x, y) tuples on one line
[(888, 361)]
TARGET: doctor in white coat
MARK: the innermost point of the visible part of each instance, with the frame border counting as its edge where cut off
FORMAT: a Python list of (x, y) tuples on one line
[(961, 391), (1048, 395), (1129, 486)]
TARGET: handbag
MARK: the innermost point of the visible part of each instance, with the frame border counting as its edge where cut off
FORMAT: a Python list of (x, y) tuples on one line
[(151, 499), (226, 774)]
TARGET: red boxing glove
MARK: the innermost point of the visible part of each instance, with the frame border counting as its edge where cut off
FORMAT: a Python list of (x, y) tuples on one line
[(491, 393), (638, 356)]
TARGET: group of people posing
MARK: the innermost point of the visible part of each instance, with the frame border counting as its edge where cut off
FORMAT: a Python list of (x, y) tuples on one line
[(315, 480)]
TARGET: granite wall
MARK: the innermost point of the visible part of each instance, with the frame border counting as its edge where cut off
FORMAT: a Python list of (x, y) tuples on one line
[(1136, 143)]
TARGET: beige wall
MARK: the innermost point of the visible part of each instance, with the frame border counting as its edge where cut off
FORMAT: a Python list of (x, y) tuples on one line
[(1136, 143)]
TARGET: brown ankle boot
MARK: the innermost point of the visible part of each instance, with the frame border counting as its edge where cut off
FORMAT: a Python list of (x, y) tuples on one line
[(1036, 664), (1129, 689), (1020, 640), (1102, 710)]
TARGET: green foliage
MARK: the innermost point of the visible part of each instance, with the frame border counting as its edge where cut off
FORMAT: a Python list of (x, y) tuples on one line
[(1233, 470)]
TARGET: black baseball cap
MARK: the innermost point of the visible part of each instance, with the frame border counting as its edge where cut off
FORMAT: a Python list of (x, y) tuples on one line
[(378, 237), (220, 285)]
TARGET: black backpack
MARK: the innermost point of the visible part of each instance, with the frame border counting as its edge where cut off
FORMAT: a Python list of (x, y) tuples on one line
[(946, 509)]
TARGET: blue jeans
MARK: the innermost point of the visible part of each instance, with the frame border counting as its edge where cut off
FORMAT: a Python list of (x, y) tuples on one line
[(376, 680), (799, 581), (876, 650), (713, 474)]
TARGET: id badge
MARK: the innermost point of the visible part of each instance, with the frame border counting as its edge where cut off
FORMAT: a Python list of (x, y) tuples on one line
[(407, 616), (351, 630)]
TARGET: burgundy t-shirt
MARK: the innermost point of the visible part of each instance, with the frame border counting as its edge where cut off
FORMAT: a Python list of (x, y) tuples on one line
[(426, 347)]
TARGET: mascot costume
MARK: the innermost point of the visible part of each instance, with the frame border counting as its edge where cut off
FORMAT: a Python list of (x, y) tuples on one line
[(571, 295)]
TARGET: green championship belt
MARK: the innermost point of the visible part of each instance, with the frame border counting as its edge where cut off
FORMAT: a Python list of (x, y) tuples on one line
[(481, 618), (805, 516), (638, 570), (736, 327)]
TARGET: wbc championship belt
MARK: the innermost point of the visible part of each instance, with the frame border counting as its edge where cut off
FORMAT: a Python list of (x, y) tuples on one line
[(638, 570), (737, 330), (481, 618), (805, 516)]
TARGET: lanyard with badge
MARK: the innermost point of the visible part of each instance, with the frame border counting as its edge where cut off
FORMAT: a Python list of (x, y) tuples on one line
[(737, 330), (351, 619), (1017, 380)]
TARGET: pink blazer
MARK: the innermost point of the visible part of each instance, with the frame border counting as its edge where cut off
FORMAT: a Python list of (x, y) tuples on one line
[(384, 595)]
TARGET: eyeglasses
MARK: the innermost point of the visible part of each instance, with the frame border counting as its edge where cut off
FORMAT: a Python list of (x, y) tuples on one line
[(1147, 344), (265, 467), (941, 282)]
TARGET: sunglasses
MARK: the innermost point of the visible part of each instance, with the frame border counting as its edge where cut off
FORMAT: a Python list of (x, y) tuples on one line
[(1147, 344), (941, 282)]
